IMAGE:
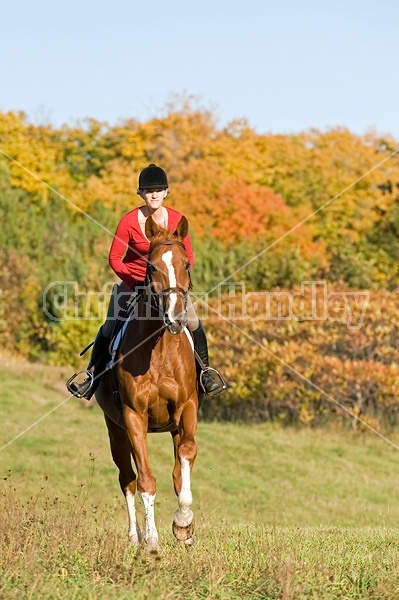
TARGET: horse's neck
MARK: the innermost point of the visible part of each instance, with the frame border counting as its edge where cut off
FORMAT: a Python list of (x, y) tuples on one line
[(148, 321)]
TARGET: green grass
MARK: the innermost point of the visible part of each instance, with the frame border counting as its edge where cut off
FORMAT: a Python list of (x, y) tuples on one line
[(280, 513)]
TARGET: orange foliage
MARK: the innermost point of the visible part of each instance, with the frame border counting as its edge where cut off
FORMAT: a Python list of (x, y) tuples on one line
[(241, 211), (231, 182), (301, 366)]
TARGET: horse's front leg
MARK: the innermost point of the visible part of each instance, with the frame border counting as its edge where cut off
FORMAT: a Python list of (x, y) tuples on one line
[(120, 450), (185, 453), (146, 482)]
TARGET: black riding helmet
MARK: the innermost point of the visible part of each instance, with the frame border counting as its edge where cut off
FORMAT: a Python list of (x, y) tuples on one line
[(152, 177)]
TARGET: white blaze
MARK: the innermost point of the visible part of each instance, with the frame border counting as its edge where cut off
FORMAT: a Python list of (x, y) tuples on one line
[(167, 259)]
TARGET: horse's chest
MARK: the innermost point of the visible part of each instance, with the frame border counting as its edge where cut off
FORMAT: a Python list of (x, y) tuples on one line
[(163, 387)]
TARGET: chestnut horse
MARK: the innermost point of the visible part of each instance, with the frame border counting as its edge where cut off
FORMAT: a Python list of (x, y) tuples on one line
[(156, 375)]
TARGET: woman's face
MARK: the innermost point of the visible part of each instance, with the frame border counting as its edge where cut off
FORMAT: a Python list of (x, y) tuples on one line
[(153, 198)]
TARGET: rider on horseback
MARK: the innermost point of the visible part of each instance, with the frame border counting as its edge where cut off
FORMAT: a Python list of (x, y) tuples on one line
[(128, 258)]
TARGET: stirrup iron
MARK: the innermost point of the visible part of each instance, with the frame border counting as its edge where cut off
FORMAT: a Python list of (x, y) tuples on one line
[(71, 380), (219, 378)]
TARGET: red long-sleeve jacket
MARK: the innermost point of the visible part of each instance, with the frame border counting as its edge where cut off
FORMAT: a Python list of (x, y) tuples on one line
[(131, 267)]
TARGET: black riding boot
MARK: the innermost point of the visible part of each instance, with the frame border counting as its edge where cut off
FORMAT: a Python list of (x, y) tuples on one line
[(98, 360), (210, 385)]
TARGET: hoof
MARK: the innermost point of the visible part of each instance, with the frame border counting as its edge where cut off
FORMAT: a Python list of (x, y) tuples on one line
[(184, 534), (135, 537), (187, 544), (134, 540), (151, 546), (151, 549)]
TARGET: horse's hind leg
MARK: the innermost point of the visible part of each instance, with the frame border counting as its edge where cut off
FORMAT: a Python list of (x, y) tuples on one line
[(120, 450), (185, 453)]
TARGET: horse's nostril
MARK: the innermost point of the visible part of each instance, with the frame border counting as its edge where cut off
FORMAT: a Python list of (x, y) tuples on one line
[(175, 326)]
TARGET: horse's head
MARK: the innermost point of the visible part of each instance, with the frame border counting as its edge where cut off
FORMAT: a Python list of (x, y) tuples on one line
[(168, 272)]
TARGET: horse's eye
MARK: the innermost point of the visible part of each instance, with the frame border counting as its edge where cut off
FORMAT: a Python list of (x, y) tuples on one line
[(151, 267), (187, 266)]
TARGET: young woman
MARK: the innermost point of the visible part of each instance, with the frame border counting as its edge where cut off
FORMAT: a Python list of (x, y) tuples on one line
[(128, 258)]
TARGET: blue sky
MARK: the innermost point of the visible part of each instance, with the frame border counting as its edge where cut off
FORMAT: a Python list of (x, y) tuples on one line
[(284, 66)]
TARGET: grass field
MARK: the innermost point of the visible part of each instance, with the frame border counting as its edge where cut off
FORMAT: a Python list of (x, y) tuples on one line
[(280, 513)]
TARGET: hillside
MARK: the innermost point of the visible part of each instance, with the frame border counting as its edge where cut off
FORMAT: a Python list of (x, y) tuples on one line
[(262, 472), (281, 512), (274, 215)]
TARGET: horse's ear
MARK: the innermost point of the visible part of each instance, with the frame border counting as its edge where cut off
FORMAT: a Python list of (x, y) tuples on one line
[(182, 228), (151, 228)]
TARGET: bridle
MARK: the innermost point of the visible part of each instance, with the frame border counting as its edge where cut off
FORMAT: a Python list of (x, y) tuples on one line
[(159, 296)]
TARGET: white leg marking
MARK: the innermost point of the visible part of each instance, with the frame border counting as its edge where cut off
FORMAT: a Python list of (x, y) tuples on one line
[(167, 259), (134, 529), (184, 516), (151, 534)]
